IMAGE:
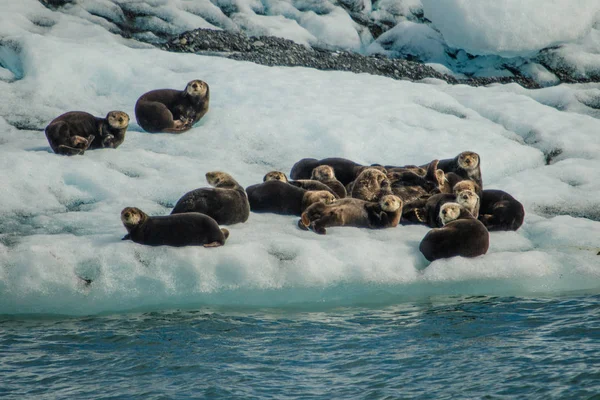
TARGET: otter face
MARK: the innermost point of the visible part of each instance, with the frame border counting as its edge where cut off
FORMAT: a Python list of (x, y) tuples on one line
[(418, 170), (449, 212), (132, 216), (373, 175), (390, 203), (275, 176), (216, 178), (323, 173), (197, 88), (467, 184), (467, 198), (117, 119), (468, 160), (322, 196)]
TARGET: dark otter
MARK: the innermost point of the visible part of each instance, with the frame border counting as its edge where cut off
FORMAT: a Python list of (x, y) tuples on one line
[(187, 229), (226, 201), (75, 132), (500, 211), (172, 111), (345, 170), (461, 235), (282, 198)]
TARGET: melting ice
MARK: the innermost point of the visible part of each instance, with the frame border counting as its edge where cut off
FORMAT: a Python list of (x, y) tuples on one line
[(59, 216)]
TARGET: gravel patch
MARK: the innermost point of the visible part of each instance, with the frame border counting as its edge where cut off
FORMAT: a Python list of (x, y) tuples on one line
[(275, 51)]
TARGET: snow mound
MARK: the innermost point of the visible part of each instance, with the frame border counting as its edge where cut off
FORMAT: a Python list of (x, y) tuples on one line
[(511, 27)]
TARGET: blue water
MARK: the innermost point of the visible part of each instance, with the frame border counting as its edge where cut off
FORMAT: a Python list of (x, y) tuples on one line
[(436, 347)]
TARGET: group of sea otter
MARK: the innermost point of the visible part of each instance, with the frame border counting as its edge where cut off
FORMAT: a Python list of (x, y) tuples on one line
[(446, 195)]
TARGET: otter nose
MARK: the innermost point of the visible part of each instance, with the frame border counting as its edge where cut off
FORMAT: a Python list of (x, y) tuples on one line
[(195, 86), (127, 215)]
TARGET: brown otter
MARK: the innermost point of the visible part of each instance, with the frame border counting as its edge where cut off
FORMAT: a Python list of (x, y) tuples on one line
[(75, 132), (353, 212), (226, 201), (461, 235), (187, 229), (275, 176), (172, 111), (370, 185), (326, 174)]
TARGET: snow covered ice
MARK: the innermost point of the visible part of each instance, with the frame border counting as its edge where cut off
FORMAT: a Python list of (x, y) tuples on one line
[(511, 27), (59, 216)]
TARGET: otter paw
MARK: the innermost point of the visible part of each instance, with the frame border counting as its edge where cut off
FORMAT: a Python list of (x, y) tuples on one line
[(301, 225), (419, 214)]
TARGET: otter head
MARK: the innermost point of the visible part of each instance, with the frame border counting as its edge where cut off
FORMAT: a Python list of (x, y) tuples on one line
[(316, 196), (323, 173), (218, 178), (132, 216), (390, 203), (394, 176), (373, 175), (117, 119), (275, 176), (468, 199), (197, 88), (417, 170), (466, 184), (468, 160), (449, 212)]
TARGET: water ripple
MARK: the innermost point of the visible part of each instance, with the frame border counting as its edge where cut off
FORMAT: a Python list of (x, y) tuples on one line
[(462, 347)]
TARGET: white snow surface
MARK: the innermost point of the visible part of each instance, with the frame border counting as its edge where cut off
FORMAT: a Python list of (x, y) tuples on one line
[(59, 216), (511, 27)]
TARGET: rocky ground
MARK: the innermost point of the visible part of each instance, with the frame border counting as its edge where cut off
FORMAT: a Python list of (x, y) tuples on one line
[(274, 51)]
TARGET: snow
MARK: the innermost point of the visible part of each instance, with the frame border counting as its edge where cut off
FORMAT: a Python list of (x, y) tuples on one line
[(511, 27), (59, 216)]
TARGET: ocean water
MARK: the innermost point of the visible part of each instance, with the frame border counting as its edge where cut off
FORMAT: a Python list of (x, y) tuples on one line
[(442, 347)]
